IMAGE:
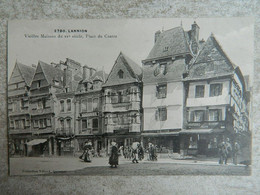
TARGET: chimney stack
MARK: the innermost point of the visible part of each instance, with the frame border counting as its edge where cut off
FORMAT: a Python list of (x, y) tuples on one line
[(156, 35), (92, 71), (195, 32), (86, 72)]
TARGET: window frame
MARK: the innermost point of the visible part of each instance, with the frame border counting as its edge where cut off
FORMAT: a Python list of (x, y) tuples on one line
[(213, 92), (198, 92), (159, 90)]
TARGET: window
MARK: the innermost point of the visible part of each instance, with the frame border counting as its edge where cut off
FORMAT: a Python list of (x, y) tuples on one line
[(215, 115), (56, 83), (62, 124), (120, 74), (62, 106), (120, 97), (95, 104), (44, 103), (17, 124), (69, 105), (198, 115), (36, 124), (11, 124), (27, 123), (163, 68), (84, 124), (39, 105), (95, 123), (165, 49), (41, 123), (68, 123), (89, 105), (215, 89), (83, 105), (22, 103), (48, 122), (161, 114), (199, 91), (38, 84), (161, 91)]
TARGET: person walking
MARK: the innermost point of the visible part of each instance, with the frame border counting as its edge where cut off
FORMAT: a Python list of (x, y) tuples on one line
[(113, 159), (235, 152)]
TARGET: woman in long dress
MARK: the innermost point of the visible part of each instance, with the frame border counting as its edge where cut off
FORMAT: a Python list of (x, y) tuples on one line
[(113, 159)]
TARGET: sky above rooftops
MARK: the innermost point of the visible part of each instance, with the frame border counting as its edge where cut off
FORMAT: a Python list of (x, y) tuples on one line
[(135, 38)]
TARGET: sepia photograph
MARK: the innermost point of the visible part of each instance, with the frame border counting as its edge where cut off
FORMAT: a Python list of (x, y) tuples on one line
[(130, 97)]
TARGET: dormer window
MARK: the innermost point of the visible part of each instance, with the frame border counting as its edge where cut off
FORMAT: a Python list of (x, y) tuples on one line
[(165, 49), (56, 83), (120, 74)]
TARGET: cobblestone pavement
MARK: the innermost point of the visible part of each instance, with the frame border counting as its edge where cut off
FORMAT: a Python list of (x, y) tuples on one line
[(99, 166)]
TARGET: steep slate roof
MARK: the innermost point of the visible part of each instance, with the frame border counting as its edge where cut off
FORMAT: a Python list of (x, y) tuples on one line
[(211, 62), (135, 71), (176, 41), (174, 72), (50, 72), (27, 73)]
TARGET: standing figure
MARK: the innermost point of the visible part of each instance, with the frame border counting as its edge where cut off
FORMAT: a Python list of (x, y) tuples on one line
[(235, 152), (113, 159), (140, 152), (221, 152), (85, 156)]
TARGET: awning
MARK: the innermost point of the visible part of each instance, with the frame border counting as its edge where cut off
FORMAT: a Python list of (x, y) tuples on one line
[(36, 142), (161, 134), (201, 131)]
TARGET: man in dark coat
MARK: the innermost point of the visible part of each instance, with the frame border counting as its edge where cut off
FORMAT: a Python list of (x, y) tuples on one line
[(113, 159)]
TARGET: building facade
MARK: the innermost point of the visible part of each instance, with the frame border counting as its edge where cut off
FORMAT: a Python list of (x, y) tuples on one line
[(216, 101), (88, 104), (163, 88), (122, 103), (18, 108), (187, 98)]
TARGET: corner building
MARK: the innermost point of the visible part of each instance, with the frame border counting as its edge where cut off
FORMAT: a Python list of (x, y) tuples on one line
[(163, 88)]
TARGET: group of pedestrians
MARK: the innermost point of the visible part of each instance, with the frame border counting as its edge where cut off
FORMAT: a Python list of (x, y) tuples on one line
[(226, 151)]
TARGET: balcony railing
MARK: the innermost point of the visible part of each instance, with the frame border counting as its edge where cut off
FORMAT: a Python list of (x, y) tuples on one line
[(64, 131), (206, 124)]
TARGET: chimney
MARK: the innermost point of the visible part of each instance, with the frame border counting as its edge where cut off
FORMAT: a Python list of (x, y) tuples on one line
[(86, 72), (195, 32), (156, 35), (65, 77), (92, 71)]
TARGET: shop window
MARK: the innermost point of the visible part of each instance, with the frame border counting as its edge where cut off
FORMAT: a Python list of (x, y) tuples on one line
[(216, 89), (68, 105), (215, 115), (95, 123), (161, 91), (62, 106), (199, 91), (193, 143), (120, 74), (161, 114)]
